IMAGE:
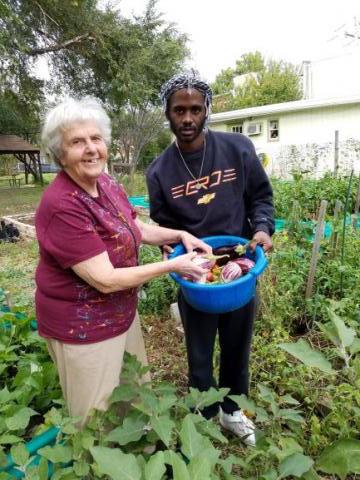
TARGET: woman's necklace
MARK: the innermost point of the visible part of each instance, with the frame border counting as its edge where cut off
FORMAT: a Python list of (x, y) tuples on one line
[(197, 180), (115, 211)]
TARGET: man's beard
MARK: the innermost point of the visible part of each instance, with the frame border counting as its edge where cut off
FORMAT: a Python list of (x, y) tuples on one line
[(177, 131)]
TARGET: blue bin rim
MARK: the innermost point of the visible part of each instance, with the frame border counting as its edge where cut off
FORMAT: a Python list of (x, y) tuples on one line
[(260, 265)]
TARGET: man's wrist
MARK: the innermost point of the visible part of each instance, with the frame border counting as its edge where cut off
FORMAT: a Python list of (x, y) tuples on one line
[(262, 228)]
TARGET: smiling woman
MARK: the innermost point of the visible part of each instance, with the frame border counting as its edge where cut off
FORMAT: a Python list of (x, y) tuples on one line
[(88, 272), (84, 154)]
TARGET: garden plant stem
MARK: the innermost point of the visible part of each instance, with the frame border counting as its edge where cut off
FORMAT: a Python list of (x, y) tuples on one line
[(343, 233)]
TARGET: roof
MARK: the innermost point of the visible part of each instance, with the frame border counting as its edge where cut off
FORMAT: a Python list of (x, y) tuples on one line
[(15, 144), (282, 108)]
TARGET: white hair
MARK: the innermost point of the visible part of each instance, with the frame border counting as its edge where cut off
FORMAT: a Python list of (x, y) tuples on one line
[(70, 111)]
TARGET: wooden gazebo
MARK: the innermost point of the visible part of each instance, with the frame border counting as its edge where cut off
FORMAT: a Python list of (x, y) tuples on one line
[(25, 153)]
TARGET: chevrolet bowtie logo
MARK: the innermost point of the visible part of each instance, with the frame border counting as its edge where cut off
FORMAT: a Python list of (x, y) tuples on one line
[(205, 199)]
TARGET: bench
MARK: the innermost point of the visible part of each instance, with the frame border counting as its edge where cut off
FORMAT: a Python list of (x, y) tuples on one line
[(15, 182)]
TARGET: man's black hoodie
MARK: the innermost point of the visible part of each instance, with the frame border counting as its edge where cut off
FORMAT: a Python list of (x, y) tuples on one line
[(235, 197)]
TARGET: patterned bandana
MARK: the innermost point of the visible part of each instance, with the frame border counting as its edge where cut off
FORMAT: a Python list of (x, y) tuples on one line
[(186, 80)]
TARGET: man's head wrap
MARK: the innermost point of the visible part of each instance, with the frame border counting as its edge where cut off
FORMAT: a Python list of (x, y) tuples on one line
[(185, 80)]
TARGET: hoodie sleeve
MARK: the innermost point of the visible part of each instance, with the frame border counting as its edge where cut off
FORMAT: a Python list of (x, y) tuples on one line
[(258, 194)]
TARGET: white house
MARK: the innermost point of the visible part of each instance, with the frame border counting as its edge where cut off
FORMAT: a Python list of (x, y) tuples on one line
[(310, 134)]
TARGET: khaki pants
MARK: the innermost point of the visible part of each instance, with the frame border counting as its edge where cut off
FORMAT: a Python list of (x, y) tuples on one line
[(89, 373)]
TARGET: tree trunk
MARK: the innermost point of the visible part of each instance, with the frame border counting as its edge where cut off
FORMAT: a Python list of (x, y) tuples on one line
[(132, 177)]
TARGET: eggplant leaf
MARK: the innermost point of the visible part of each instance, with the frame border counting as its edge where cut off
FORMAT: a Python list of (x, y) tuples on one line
[(303, 352)]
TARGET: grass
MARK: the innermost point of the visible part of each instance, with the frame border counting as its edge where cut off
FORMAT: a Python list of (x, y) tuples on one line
[(19, 200), (26, 199)]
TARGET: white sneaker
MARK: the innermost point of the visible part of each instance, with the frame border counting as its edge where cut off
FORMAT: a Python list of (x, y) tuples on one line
[(239, 424)]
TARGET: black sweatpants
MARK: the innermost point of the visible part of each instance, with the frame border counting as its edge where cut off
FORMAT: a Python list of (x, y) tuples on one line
[(235, 332)]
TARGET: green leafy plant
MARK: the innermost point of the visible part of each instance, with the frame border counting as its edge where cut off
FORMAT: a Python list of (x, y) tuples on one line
[(156, 296), (304, 397)]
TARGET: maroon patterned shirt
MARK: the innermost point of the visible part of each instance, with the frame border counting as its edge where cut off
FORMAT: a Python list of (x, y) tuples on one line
[(72, 227)]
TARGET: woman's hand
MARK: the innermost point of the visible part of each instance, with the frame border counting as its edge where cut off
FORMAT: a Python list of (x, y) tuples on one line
[(155, 235), (184, 266), (191, 243)]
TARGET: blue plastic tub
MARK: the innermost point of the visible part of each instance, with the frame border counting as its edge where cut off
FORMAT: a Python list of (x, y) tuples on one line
[(222, 298)]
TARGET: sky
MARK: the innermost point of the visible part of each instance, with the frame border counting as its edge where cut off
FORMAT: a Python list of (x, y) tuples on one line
[(291, 30)]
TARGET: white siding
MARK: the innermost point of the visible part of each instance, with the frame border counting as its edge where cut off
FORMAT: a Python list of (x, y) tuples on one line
[(318, 126), (306, 138), (220, 127), (309, 126)]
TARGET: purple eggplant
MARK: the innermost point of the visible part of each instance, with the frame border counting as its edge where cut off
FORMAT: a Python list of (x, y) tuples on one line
[(245, 263), (231, 271), (233, 251), (228, 250), (204, 261)]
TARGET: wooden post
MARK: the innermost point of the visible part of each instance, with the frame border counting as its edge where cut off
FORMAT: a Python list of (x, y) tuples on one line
[(336, 153), (26, 173), (37, 163), (357, 206), (316, 247), (334, 239), (8, 299), (175, 315)]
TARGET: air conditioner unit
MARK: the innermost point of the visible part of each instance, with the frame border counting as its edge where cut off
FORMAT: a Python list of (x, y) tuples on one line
[(253, 129)]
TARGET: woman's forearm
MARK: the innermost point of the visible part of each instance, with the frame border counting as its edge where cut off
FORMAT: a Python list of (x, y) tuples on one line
[(100, 273), (155, 235)]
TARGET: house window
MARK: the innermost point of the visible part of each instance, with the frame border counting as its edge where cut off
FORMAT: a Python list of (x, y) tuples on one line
[(237, 129), (273, 130)]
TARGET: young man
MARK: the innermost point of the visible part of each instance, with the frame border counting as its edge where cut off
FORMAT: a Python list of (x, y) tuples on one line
[(211, 183)]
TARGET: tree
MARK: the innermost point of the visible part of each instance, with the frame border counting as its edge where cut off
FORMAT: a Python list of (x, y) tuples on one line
[(20, 108), (141, 120), (154, 148), (134, 129), (224, 82), (93, 52), (250, 62), (270, 82)]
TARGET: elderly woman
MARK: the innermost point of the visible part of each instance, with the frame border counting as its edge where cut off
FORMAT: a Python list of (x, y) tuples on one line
[(88, 272)]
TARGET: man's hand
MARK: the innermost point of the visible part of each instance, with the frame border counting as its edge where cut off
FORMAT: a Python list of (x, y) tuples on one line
[(263, 239)]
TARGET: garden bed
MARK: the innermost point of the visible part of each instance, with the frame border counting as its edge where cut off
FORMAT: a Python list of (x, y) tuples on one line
[(305, 379), (24, 222)]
